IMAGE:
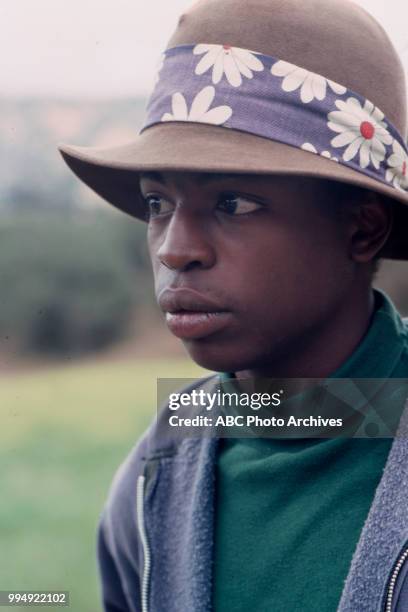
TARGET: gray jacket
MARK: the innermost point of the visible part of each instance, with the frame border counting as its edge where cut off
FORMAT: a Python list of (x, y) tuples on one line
[(155, 535)]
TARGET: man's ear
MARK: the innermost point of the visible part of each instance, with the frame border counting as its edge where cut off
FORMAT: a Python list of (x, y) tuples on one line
[(370, 226)]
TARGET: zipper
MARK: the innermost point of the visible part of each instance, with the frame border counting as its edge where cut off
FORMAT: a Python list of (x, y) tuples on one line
[(145, 544), (393, 580)]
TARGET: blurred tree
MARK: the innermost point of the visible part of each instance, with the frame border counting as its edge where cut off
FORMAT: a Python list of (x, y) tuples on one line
[(68, 286)]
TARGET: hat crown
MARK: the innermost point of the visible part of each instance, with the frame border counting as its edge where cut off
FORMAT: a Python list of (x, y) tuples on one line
[(335, 38)]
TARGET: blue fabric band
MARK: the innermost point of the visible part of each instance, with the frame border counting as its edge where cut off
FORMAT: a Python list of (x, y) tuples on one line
[(246, 90)]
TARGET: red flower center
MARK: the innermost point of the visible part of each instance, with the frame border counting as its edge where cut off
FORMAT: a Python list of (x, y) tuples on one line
[(226, 47), (404, 168), (367, 130)]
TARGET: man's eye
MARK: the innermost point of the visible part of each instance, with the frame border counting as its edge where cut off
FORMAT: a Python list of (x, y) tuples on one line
[(237, 205), (157, 206)]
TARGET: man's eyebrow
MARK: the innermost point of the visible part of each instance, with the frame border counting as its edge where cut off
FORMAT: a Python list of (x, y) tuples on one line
[(202, 178)]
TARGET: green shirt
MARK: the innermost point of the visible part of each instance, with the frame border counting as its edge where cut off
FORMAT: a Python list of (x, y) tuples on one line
[(289, 512)]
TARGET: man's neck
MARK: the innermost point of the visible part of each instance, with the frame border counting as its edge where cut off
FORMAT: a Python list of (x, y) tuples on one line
[(321, 352)]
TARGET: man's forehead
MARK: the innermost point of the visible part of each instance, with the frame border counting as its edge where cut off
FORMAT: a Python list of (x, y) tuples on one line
[(282, 183)]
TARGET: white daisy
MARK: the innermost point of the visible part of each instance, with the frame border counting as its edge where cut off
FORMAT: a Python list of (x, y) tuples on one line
[(360, 129), (397, 172), (232, 61), (312, 85), (307, 146), (200, 109)]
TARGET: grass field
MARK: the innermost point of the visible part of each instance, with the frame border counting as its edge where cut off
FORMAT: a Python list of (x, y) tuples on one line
[(63, 434)]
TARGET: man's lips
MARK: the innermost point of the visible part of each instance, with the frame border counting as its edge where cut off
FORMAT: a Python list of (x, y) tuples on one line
[(191, 315), (182, 299)]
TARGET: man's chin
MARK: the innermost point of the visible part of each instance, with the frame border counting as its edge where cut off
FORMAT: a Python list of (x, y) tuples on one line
[(217, 356)]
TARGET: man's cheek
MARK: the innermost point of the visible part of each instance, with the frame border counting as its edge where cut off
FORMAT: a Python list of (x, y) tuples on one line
[(155, 263), (155, 267)]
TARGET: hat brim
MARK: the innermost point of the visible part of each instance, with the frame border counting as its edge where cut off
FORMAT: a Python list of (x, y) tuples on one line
[(113, 172)]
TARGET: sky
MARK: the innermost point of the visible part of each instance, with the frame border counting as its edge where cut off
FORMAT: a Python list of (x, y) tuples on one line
[(109, 48)]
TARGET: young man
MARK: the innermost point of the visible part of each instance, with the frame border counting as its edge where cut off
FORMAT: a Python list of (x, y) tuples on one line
[(271, 182)]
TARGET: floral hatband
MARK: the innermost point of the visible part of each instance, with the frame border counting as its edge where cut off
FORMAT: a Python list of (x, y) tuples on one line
[(262, 95)]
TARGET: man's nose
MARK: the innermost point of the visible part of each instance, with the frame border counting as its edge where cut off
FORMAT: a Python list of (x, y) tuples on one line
[(187, 242)]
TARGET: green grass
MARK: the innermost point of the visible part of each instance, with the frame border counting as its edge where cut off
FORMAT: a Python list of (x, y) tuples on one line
[(63, 434)]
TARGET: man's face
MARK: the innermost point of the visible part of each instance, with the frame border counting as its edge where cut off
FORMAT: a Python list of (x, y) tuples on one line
[(246, 267)]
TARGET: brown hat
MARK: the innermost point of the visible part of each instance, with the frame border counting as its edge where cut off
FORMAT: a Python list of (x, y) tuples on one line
[(289, 79)]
